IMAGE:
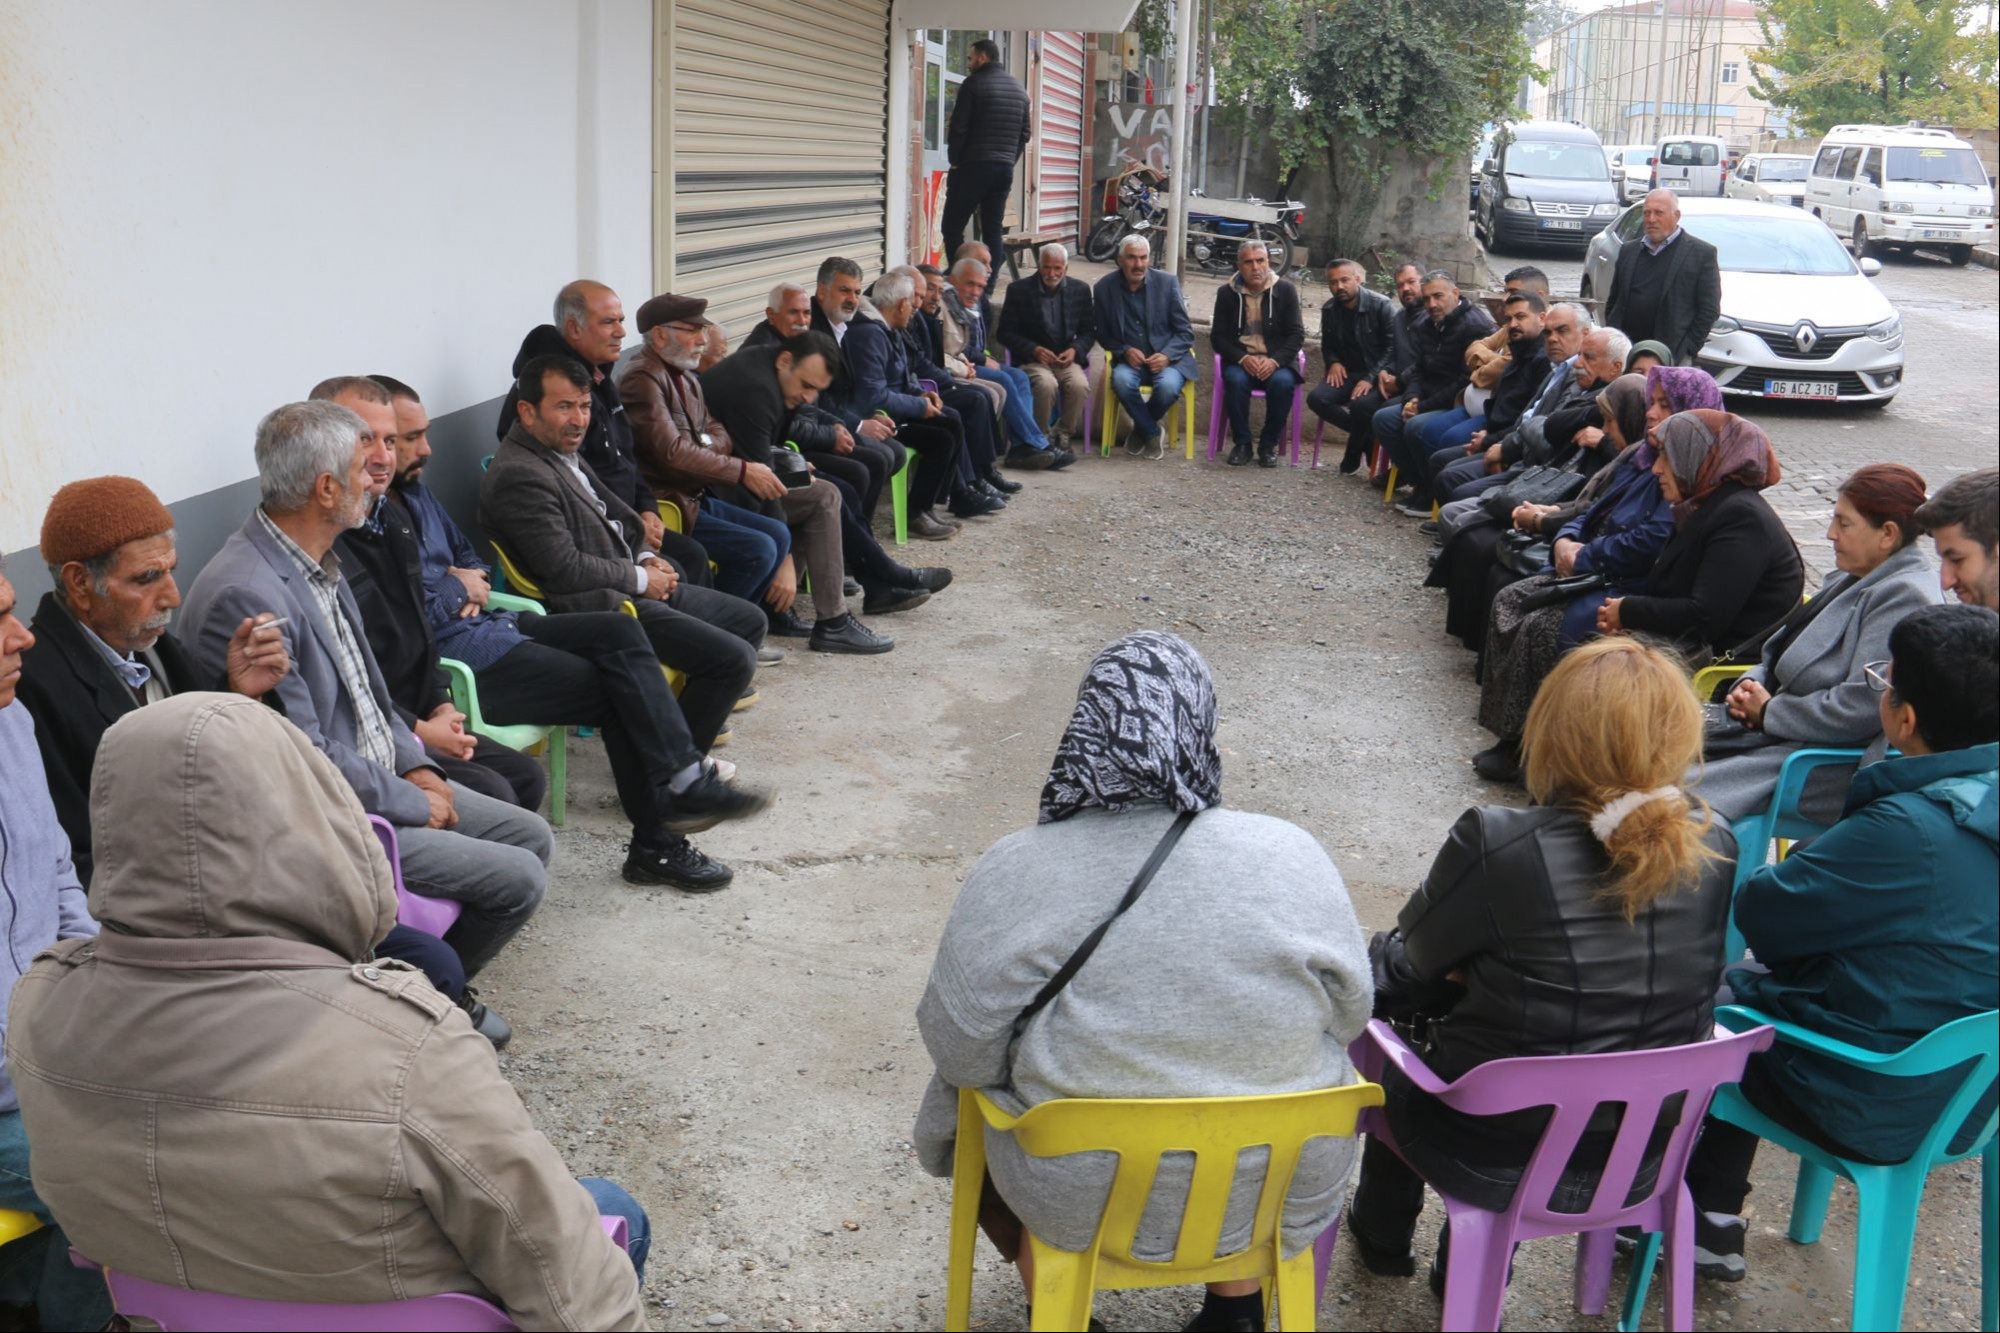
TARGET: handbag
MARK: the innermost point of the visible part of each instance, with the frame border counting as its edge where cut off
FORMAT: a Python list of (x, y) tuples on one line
[(1562, 590), (1522, 553), (1077, 959), (1540, 485)]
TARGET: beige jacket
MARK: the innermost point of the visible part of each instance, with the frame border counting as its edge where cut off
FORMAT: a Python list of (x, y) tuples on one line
[(1487, 358), (223, 1092)]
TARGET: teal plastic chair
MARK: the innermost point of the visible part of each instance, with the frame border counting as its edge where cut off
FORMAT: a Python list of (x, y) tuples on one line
[(465, 698), (1781, 819), (1890, 1196)]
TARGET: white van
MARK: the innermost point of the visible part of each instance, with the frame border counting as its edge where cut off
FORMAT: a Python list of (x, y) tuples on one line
[(1691, 164), (1896, 186)]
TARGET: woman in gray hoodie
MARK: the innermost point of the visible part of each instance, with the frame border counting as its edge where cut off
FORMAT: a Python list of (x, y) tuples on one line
[(1240, 970)]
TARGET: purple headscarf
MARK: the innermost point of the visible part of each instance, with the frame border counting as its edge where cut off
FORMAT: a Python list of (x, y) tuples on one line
[(1687, 388)]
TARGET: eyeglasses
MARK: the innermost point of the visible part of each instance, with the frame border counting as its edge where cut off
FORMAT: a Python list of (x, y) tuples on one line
[(1878, 676)]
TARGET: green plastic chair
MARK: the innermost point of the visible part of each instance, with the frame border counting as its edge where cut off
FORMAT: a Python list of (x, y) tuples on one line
[(1890, 1196), (520, 736)]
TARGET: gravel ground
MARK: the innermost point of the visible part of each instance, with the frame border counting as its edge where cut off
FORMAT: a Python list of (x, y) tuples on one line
[(748, 1064)]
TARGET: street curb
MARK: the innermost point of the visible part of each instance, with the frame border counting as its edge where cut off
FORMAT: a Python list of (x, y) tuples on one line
[(1985, 258)]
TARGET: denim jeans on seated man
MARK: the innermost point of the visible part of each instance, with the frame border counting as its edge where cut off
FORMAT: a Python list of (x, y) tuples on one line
[(35, 1270), (494, 861), (1019, 409), (1146, 413), (745, 546), (613, 1201), (1400, 438), (1237, 386), (1452, 428)]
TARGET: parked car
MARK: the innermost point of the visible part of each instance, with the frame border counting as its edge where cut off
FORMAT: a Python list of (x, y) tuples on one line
[(1544, 181), (1632, 169), (1800, 318), (1770, 178), (1896, 187), (1690, 164)]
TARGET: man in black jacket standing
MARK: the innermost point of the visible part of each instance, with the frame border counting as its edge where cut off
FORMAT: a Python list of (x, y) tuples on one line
[(1257, 332), (1668, 285), (1357, 343), (989, 129)]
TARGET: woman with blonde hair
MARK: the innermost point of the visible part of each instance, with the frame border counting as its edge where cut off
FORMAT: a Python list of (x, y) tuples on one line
[(1590, 921)]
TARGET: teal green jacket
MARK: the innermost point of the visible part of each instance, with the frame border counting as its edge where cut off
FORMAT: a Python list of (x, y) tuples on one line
[(1878, 932)]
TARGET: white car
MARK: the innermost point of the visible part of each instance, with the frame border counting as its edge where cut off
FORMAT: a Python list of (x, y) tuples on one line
[(1770, 178), (1800, 318), (1632, 169)]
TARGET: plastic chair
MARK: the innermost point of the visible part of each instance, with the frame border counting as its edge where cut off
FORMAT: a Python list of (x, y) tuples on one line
[(1102, 392), (1215, 404), (1889, 1196), (1089, 398), (521, 583), (15, 1224), (1215, 1130), (525, 737), (433, 916), (1573, 1087), (181, 1308), (1781, 819)]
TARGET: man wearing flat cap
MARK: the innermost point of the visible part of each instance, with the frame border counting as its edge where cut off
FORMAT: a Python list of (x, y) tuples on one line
[(101, 646)]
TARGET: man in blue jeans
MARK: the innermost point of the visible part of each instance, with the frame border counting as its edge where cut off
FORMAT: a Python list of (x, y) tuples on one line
[(1144, 329), (1439, 377), (1257, 333), (48, 904)]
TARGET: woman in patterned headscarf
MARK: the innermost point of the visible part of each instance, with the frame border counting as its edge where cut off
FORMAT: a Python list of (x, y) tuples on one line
[(1239, 969)]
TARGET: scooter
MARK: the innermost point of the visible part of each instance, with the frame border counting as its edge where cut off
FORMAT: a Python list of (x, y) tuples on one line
[(1215, 226)]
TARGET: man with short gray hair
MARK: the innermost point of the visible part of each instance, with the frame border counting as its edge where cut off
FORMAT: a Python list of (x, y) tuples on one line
[(1143, 326), (313, 465), (1257, 334), (1048, 327)]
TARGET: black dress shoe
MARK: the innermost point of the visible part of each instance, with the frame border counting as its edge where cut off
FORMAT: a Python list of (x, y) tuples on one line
[(1063, 459), (708, 801), (926, 526), (999, 482), (990, 491), (486, 1022), (850, 587), (974, 505), (787, 625), (676, 862), (1030, 460), (1267, 460), (931, 578), (849, 635), (1502, 763), (1238, 456), (888, 601)]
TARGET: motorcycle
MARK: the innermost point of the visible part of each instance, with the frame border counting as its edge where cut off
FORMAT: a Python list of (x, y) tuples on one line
[(1215, 226)]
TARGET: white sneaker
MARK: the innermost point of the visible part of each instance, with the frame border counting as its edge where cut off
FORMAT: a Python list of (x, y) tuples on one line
[(724, 770)]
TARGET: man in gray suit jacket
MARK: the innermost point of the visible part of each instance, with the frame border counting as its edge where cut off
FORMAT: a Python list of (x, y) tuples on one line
[(1144, 329), (313, 464)]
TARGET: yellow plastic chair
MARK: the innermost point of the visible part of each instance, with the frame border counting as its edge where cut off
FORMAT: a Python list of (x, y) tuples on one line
[(1111, 408), (1215, 1130), (14, 1225), (525, 587), (1711, 678)]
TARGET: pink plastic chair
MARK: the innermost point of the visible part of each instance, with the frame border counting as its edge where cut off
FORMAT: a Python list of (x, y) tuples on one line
[(179, 1308), (1215, 408), (1573, 1086), (433, 916)]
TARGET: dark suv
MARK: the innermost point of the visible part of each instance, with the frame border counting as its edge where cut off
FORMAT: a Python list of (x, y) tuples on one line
[(1544, 182)]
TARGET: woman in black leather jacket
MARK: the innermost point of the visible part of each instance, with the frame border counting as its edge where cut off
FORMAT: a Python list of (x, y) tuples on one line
[(1590, 921)]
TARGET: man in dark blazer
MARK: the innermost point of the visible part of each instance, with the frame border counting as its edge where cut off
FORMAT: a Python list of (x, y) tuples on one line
[(1257, 332), (1667, 286), (1143, 327), (1048, 327), (585, 549)]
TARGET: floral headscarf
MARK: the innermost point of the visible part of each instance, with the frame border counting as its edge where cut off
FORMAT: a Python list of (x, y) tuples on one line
[(1143, 732), (1687, 388), (1705, 449)]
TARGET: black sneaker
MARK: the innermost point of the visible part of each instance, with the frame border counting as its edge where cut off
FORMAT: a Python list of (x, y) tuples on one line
[(888, 601), (999, 482), (1379, 1259), (1063, 458), (708, 801), (1030, 460), (850, 587), (849, 635), (486, 1022), (987, 489), (678, 863), (1718, 1248), (931, 578), (974, 505), (787, 625), (1429, 527)]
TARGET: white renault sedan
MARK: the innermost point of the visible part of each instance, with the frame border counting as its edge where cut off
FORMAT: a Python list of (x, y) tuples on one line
[(1772, 178), (1800, 318)]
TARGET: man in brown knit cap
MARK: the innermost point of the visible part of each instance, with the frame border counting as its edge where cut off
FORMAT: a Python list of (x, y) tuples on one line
[(102, 648)]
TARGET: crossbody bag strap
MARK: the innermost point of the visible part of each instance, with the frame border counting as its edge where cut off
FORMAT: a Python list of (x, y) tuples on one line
[(1089, 946)]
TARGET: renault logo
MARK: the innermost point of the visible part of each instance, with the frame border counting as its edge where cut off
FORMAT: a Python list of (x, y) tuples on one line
[(1805, 335)]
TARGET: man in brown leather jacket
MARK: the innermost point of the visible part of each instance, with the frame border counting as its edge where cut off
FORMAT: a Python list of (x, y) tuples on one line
[(328, 1126)]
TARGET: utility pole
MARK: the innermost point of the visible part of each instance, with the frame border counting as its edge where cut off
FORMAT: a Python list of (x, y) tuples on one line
[(1183, 164), (1659, 66), (1207, 82)]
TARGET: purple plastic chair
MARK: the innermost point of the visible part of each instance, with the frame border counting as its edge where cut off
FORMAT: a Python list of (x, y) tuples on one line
[(1215, 408), (1574, 1086), (433, 916), (179, 1308)]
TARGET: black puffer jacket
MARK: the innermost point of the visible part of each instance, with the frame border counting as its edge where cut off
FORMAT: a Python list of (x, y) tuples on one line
[(990, 121), (1515, 903), (1440, 346)]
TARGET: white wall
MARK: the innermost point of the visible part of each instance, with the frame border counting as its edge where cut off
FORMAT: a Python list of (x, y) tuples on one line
[(208, 206)]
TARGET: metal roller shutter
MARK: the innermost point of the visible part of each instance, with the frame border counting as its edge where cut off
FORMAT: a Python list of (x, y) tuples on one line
[(1059, 134), (779, 140)]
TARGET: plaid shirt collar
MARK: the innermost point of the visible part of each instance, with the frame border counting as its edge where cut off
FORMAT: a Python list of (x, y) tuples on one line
[(326, 571)]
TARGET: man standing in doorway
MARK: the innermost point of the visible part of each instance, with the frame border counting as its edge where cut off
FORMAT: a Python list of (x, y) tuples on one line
[(989, 129)]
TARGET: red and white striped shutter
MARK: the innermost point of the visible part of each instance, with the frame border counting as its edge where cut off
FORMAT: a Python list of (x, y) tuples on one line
[(1059, 128)]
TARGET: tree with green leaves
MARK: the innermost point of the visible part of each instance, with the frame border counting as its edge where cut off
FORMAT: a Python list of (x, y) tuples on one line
[(1887, 61), (1362, 85)]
